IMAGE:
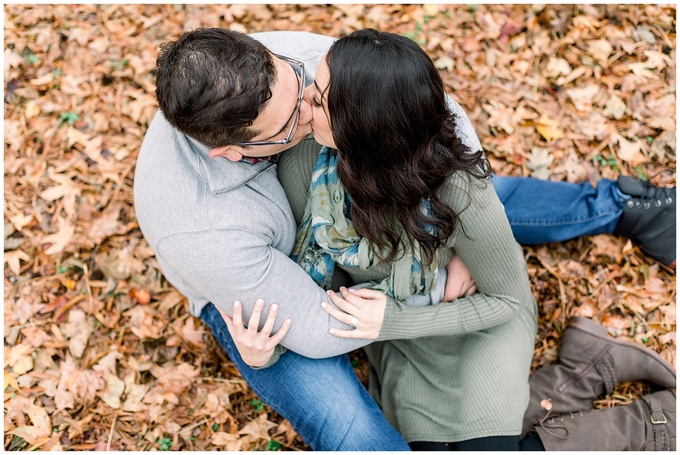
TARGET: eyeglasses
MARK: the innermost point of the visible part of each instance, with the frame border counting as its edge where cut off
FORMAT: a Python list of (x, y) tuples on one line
[(299, 68)]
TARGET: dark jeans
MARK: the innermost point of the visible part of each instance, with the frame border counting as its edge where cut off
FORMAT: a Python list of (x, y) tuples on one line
[(322, 398)]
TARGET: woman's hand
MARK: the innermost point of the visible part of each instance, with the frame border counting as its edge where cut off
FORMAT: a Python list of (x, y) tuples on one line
[(459, 282), (256, 347), (362, 308)]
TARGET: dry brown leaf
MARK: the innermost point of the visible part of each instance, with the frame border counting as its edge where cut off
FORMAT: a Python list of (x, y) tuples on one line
[(78, 330), (500, 61), (230, 442), (182, 374), (600, 49), (217, 406), (105, 225), (145, 322), (501, 116), (13, 260), (20, 359), (640, 69), (30, 434), (134, 395), (557, 67), (114, 389), (657, 60), (40, 420), (192, 334), (539, 162), (629, 152), (445, 63), (583, 97), (575, 74), (258, 428), (107, 365), (61, 239), (615, 108)]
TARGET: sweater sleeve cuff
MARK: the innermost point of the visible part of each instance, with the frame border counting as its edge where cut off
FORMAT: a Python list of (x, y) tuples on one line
[(278, 352), (385, 330)]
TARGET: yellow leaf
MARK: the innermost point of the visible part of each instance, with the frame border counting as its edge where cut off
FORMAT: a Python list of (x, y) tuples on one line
[(431, 9), (10, 381), (548, 128), (32, 109)]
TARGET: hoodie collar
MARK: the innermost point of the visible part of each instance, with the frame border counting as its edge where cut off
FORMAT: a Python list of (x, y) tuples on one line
[(223, 175)]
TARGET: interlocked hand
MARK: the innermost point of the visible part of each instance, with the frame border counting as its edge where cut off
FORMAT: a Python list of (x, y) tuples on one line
[(256, 347), (366, 305)]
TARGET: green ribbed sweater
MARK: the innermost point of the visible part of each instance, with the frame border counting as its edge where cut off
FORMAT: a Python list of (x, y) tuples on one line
[(457, 370)]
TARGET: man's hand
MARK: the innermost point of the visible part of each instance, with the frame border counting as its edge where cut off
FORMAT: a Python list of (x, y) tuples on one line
[(256, 348), (459, 282), (362, 308)]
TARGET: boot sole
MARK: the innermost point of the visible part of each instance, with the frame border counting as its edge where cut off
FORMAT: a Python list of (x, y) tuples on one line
[(599, 331)]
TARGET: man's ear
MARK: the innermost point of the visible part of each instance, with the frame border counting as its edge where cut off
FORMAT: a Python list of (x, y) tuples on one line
[(229, 152)]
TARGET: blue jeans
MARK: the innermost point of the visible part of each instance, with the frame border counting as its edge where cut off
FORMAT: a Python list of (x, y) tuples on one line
[(541, 211), (322, 398)]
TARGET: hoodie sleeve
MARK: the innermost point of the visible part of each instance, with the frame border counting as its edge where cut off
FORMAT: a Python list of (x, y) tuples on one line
[(226, 265)]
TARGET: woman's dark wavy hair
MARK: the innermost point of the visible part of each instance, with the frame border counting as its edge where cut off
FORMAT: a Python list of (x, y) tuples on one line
[(396, 140), (211, 84)]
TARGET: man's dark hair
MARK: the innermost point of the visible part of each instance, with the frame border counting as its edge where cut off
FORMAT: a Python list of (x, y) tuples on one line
[(211, 84)]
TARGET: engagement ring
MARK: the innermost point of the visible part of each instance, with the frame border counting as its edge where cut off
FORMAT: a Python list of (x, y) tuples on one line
[(354, 321)]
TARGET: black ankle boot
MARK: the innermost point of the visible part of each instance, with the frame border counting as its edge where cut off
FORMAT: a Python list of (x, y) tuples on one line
[(649, 219)]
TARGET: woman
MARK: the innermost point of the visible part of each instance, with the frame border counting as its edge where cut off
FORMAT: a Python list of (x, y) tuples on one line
[(415, 194)]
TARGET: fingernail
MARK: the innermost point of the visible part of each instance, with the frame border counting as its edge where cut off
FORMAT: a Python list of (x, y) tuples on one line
[(343, 288), (259, 302), (324, 304), (328, 292), (332, 331), (288, 322), (274, 307), (237, 304), (352, 290)]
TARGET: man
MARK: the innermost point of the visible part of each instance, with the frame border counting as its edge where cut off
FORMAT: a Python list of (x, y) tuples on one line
[(209, 203)]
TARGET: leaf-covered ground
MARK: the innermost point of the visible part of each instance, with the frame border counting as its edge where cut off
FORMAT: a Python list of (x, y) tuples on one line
[(100, 352)]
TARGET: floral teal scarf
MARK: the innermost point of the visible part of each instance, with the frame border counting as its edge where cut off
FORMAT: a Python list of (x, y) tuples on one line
[(327, 236)]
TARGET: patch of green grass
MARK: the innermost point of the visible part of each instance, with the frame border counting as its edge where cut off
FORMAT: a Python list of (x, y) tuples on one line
[(164, 443), (69, 117), (611, 162), (273, 446), (257, 404)]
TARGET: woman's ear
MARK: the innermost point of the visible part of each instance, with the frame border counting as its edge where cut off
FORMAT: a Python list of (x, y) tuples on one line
[(229, 152)]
